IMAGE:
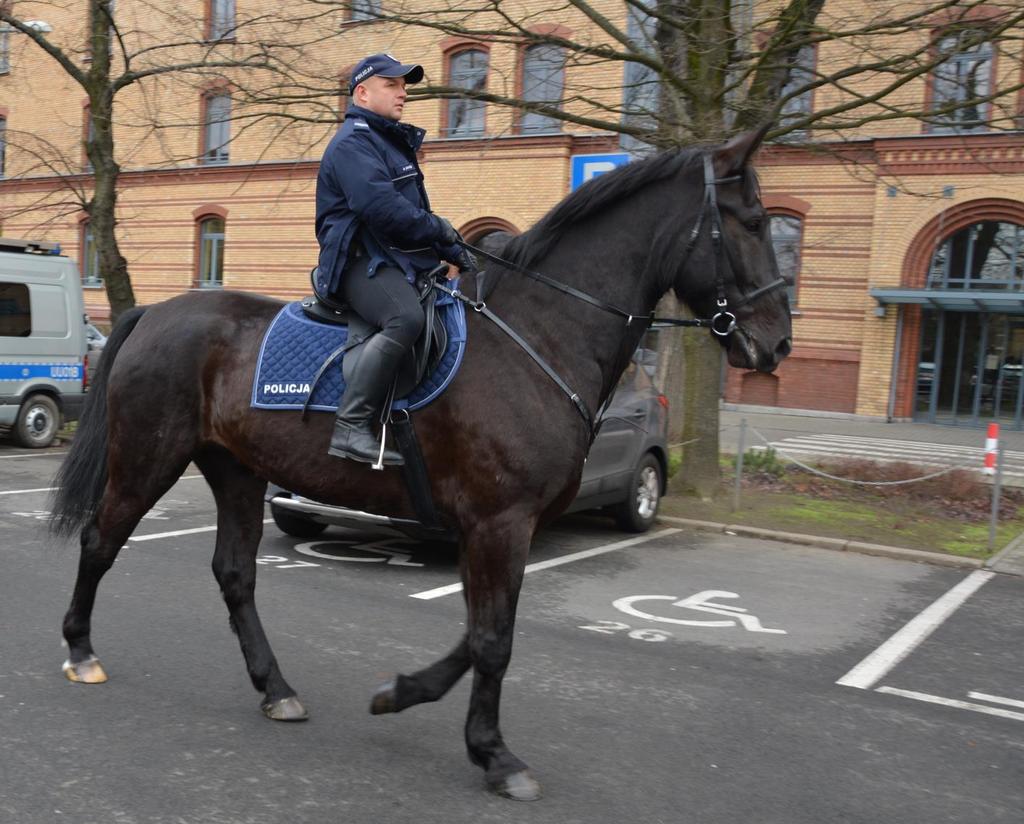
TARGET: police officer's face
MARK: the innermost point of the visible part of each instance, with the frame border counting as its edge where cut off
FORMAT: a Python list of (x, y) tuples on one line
[(382, 95)]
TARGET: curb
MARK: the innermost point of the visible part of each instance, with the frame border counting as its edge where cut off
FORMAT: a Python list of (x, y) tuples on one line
[(838, 544)]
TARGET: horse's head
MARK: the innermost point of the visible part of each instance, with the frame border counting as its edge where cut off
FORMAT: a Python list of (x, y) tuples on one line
[(737, 275)]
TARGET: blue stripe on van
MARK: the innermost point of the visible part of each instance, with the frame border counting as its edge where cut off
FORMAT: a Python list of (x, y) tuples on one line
[(53, 371)]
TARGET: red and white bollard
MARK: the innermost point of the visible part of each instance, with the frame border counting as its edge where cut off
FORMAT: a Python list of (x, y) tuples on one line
[(991, 449)]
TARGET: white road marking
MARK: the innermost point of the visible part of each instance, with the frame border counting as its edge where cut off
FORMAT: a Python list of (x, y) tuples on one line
[(996, 699), (426, 595), (54, 488), (26, 491), (157, 536), (702, 603), (31, 455), (873, 668), (952, 702)]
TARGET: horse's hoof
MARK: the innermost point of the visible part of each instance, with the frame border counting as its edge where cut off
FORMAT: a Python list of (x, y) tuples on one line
[(285, 709), (88, 671), (519, 786), (383, 699)]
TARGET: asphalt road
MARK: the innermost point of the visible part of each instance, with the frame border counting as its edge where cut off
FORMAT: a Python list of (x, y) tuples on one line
[(627, 704)]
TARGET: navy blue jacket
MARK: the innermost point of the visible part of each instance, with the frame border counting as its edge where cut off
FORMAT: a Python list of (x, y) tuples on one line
[(370, 187)]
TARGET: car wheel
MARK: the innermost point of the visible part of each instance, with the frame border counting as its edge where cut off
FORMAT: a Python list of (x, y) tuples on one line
[(295, 525), (638, 512), (38, 422)]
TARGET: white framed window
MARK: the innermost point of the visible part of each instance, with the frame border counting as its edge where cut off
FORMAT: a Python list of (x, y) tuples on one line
[(543, 82), (222, 19), (211, 253), (959, 83), (787, 237), (365, 10), (90, 261), (216, 129), (467, 70)]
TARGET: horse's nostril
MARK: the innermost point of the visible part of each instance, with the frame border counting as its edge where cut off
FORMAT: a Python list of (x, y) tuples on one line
[(784, 348)]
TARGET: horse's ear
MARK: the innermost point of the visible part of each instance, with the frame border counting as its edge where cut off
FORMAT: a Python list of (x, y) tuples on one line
[(732, 156)]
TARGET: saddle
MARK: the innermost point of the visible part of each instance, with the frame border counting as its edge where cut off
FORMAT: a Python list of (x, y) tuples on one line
[(422, 359)]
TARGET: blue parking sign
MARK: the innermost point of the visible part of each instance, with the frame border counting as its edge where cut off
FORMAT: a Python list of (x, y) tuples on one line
[(584, 167)]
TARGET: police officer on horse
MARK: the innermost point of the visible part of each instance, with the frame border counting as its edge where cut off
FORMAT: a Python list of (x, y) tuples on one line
[(376, 234)]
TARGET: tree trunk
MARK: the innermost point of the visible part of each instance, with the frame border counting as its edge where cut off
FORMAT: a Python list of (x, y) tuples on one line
[(99, 147), (699, 474)]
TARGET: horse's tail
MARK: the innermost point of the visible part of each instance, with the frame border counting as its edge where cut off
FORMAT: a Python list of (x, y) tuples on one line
[(82, 477)]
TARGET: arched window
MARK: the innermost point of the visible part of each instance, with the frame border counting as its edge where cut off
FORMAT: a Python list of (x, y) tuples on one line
[(787, 236), (216, 129), (543, 81), (90, 257), (466, 70), (984, 255), (211, 253)]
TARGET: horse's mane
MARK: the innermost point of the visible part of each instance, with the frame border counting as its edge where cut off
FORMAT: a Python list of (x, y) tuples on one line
[(590, 199)]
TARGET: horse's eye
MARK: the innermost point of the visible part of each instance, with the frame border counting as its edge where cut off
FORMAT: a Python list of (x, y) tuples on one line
[(755, 225)]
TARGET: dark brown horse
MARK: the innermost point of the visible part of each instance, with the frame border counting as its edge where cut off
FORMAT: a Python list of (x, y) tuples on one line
[(504, 445)]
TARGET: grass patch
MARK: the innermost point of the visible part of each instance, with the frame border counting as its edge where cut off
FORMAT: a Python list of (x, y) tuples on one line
[(947, 514)]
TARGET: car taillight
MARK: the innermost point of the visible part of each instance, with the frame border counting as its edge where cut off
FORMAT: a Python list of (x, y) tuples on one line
[(85, 372), (663, 401)]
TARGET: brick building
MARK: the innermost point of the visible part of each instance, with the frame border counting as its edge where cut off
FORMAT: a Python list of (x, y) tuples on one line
[(904, 238)]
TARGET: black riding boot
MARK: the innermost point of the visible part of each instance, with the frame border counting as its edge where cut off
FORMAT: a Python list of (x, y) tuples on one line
[(365, 391)]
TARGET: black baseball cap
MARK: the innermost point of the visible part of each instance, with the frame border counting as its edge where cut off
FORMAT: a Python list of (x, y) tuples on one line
[(384, 65)]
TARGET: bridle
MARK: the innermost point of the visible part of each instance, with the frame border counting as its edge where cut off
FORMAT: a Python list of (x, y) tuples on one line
[(723, 323), (710, 207)]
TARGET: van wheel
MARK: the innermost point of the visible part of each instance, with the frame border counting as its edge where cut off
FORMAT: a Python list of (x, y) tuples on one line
[(38, 422), (639, 511)]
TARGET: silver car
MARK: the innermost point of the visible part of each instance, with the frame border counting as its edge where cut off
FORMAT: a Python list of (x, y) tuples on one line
[(624, 476)]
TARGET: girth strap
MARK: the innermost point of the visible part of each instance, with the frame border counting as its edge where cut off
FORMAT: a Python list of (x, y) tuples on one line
[(481, 307)]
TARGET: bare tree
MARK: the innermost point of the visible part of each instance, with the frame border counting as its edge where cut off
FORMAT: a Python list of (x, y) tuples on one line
[(131, 53)]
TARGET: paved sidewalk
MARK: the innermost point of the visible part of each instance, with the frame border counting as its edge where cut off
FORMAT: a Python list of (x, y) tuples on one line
[(776, 425)]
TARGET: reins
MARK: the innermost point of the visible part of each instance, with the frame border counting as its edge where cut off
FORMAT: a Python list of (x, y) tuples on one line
[(722, 323)]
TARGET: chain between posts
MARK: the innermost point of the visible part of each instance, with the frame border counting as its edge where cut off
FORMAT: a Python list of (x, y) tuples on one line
[(814, 471)]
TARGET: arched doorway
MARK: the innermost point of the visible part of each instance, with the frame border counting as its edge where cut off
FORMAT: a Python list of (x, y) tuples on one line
[(489, 233), (969, 318)]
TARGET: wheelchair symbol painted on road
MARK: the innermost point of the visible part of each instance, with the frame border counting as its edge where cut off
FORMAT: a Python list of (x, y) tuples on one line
[(701, 602)]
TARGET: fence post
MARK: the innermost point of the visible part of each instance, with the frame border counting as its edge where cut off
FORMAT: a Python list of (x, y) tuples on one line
[(996, 489), (739, 464)]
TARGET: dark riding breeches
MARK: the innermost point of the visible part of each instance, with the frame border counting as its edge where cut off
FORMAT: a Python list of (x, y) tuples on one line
[(386, 300)]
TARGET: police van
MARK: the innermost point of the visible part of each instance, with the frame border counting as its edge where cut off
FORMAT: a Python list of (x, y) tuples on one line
[(42, 341)]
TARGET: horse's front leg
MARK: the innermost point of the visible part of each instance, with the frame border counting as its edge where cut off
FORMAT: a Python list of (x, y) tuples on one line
[(494, 557)]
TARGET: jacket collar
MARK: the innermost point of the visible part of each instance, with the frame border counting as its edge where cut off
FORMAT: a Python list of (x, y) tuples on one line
[(408, 134)]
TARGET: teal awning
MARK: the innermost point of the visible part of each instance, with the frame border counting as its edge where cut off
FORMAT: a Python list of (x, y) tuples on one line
[(1004, 302)]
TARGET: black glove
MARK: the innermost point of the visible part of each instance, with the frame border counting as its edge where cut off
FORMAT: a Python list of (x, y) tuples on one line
[(449, 237), (467, 263)]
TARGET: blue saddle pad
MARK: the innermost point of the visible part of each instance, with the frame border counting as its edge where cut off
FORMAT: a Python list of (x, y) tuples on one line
[(295, 346)]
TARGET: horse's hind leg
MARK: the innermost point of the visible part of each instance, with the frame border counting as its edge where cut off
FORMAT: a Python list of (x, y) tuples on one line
[(129, 494), (239, 495)]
